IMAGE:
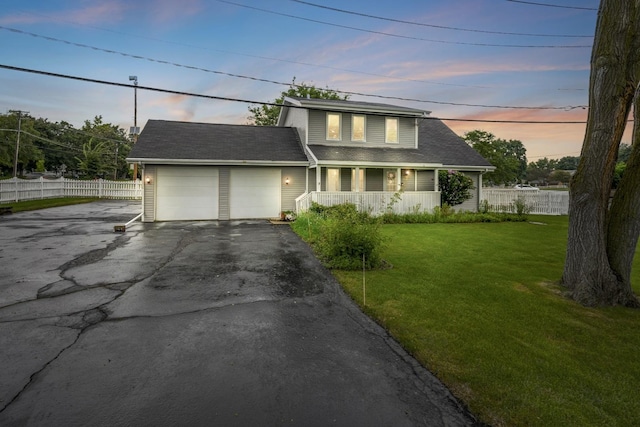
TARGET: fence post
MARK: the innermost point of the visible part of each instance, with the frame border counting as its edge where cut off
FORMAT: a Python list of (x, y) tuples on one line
[(100, 188)]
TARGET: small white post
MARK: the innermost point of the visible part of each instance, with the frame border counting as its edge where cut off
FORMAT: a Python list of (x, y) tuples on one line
[(364, 286)]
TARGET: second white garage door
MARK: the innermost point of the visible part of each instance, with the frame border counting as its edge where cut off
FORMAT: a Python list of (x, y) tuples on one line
[(186, 193), (254, 193)]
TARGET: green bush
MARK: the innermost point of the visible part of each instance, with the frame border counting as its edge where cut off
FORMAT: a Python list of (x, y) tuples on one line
[(455, 187)]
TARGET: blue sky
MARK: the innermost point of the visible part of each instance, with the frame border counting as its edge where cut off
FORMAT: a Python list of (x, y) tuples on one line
[(460, 59)]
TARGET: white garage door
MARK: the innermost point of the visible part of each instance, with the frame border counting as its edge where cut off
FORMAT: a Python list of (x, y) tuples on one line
[(254, 193), (186, 193)]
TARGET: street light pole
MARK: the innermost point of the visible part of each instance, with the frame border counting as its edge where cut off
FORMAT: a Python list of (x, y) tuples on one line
[(134, 130)]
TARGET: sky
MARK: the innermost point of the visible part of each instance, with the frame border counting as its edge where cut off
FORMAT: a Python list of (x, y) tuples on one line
[(473, 63)]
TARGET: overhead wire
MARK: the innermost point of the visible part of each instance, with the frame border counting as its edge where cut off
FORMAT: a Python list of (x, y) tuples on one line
[(382, 33), (553, 5), (269, 58), (139, 57), (444, 27), (222, 98)]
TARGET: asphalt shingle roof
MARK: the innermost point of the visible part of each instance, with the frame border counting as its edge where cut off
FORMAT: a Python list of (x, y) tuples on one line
[(162, 139)]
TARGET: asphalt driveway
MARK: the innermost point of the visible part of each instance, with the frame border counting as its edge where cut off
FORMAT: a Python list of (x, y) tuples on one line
[(190, 323)]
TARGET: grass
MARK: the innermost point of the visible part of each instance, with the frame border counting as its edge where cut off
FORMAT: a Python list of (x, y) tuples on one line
[(479, 306), (31, 205)]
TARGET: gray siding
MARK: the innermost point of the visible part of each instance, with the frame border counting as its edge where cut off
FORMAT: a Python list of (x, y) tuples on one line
[(345, 179), (408, 181), (375, 131), (472, 203), (374, 181), (223, 193), (426, 181), (297, 118), (296, 187), (312, 179), (149, 194)]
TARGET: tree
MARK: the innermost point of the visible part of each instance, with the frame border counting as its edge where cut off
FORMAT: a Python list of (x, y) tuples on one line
[(568, 163), (509, 157), (541, 169), (455, 187), (92, 161), (560, 176), (603, 236), (28, 152), (267, 115)]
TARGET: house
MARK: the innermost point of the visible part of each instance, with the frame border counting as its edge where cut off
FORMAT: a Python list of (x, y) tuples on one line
[(323, 151)]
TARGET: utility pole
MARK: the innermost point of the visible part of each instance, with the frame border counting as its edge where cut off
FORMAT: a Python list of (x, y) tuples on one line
[(134, 131), (15, 160)]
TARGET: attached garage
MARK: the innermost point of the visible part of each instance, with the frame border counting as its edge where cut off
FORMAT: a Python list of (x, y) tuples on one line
[(186, 193), (254, 193), (206, 171)]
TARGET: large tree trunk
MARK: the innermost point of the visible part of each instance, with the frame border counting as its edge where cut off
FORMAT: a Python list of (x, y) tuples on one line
[(624, 218), (587, 272)]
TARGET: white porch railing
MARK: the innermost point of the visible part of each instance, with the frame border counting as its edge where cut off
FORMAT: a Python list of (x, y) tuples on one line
[(376, 202), (540, 202), (14, 190)]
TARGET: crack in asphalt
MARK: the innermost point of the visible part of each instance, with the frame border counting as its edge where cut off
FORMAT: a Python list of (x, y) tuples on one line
[(97, 315)]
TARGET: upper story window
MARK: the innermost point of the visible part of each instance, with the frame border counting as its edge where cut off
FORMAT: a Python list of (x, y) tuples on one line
[(391, 130), (334, 126), (358, 126)]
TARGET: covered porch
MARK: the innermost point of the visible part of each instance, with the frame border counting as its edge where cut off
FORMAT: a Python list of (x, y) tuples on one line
[(373, 189), (375, 202)]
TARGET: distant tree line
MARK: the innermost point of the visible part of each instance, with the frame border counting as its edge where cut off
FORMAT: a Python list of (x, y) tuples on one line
[(97, 150)]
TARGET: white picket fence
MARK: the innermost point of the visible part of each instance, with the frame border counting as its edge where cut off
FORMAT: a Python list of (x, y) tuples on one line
[(540, 202), (376, 202), (15, 189)]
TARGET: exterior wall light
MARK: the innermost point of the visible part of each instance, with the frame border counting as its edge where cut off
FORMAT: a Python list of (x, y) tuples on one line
[(286, 181), (407, 173), (147, 180)]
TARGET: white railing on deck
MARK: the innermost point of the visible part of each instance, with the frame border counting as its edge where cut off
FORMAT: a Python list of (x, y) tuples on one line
[(376, 202), (14, 190), (539, 202)]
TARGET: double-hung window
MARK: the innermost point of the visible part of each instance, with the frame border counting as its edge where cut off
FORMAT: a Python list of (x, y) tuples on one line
[(358, 128), (391, 130), (334, 126)]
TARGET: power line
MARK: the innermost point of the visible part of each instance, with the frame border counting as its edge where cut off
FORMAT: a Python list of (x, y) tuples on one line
[(553, 5), (444, 27), (382, 33), (139, 57), (268, 58), (271, 104)]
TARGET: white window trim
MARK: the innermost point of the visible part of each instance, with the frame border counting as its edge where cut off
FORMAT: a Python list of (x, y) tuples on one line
[(386, 134), (364, 127), (339, 127)]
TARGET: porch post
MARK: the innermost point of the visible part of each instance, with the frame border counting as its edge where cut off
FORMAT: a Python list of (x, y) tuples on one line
[(357, 178), (398, 179), (318, 178)]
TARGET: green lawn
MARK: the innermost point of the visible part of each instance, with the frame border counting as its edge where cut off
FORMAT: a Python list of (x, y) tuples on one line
[(479, 306), (31, 205)]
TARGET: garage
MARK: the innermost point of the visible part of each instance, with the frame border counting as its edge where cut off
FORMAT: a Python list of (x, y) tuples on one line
[(254, 193), (186, 193)]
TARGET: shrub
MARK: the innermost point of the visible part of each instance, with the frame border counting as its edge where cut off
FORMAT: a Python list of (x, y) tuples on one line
[(455, 187), (347, 236)]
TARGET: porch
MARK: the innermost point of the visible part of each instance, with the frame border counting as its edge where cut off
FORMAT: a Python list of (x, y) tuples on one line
[(376, 202)]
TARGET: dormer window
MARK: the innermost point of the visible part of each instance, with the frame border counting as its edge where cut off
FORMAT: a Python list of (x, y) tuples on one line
[(334, 126), (391, 130), (358, 126)]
